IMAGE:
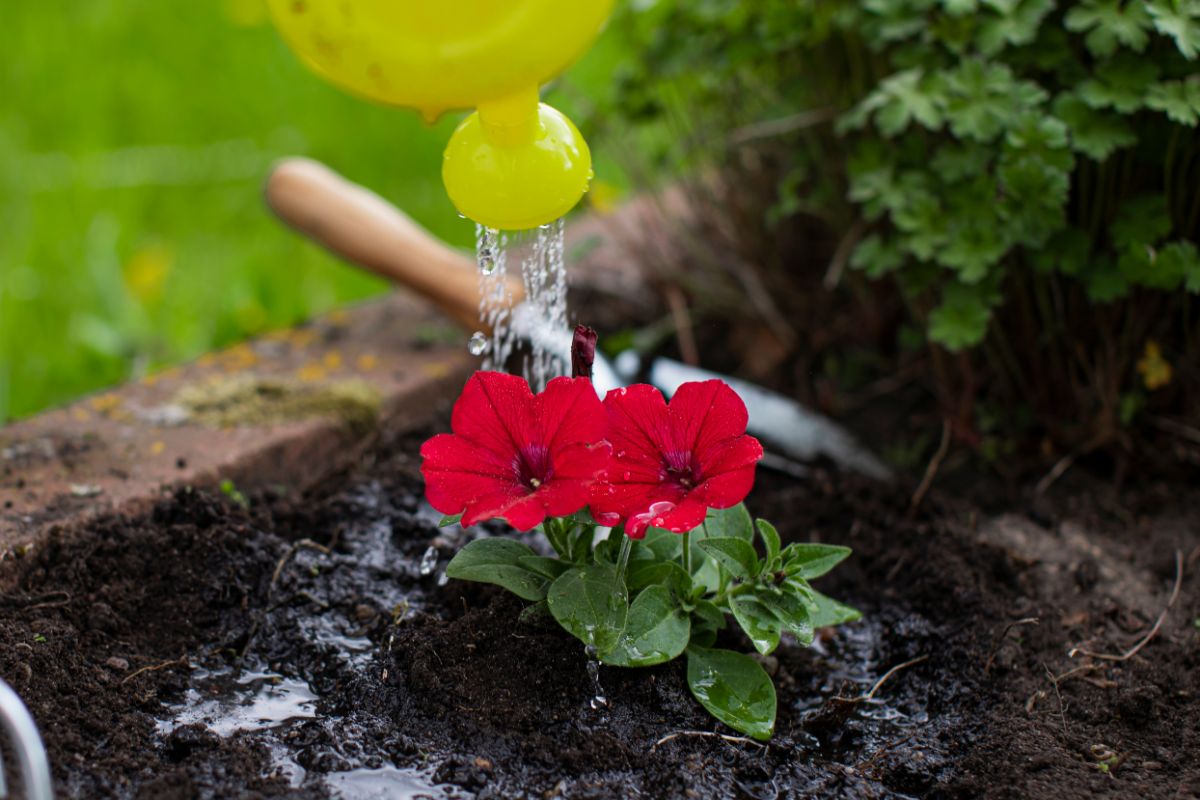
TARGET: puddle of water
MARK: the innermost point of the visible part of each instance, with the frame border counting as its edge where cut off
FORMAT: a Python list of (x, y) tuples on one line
[(226, 703), (386, 783)]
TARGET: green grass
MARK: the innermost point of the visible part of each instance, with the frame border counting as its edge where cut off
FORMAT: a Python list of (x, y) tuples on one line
[(134, 139)]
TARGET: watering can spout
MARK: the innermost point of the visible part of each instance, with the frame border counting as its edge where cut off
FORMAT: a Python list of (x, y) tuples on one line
[(513, 164)]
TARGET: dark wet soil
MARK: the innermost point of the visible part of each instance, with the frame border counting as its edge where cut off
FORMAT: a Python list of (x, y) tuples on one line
[(296, 648)]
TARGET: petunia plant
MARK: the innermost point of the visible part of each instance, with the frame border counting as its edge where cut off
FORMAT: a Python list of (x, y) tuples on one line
[(641, 502)]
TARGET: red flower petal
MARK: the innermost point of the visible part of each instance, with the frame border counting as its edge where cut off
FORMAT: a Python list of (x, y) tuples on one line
[(495, 411), (706, 414), (672, 462), (569, 411), (514, 455)]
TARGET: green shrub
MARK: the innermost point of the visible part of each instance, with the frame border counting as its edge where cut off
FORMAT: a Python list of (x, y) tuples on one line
[(1027, 171)]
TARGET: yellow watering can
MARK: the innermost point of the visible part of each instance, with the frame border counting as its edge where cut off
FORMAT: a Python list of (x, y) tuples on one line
[(515, 163)]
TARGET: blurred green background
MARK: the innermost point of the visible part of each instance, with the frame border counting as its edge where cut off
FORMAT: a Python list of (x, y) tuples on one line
[(134, 139)]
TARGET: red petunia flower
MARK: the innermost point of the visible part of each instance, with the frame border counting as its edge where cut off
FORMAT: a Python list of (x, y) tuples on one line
[(516, 455), (670, 464)]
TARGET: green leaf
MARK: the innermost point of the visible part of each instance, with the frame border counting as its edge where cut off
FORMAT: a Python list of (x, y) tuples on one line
[(962, 318), (734, 689), (760, 624), (876, 256), (1141, 221), (1104, 282), (1120, 84), (707, 620), (897, 101), (956, 161), (810, 560), (1110, 23), (656, 631), (592, 604), (981, 98), (828, 612), (789, 602), (1180, 20), (450, 519), (666, 573), (1182, 258), (498, 561), (770, 538), (1096, 134), (550, 568), (731, 522), (1179, 100), (736, 555), (959, 8), (1013, 29)]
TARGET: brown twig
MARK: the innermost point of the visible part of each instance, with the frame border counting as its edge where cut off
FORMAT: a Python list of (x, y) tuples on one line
[(931, 471), (1062, 711), (709, 734), (295, 548), (777, 127), (837, 264), (1055, 473), (182, 661), (682, 319), (987, 667), (1133, 651), (864, 698), (892, 672)]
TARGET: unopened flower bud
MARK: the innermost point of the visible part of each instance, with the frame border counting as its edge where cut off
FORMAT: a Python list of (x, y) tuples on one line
[(583, 352)]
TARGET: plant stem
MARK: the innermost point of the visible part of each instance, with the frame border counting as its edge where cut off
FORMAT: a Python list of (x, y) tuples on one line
[(687, 552), (623, 558), (554, 536)]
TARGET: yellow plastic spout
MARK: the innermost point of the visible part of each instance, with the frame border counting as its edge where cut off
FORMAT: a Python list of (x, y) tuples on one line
[(515, 163)]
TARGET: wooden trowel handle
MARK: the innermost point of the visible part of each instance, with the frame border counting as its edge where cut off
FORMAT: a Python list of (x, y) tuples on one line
[(358, 225)]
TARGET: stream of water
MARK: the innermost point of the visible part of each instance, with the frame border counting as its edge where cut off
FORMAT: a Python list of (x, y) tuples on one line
[(540, 253)]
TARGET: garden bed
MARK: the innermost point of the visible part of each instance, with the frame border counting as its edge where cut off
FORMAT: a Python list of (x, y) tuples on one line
[(307, 647)]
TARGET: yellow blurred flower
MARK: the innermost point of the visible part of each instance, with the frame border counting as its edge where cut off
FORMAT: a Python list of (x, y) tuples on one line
[(145, 274), (1154, 369), (246, 13), (603, 197)]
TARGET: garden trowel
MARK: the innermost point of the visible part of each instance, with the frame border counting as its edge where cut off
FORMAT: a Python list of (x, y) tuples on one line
[(364, 229)]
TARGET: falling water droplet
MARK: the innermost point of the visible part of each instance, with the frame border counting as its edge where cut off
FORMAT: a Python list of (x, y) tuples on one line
[(428, 561), (478, 343), (599, 700), (443, 579)]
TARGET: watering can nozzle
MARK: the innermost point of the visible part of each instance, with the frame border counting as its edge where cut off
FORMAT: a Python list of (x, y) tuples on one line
[(513, 164), (516, 163)]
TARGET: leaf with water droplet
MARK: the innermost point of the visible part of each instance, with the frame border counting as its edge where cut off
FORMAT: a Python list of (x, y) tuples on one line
[(734, 522), (656, 631), (760, 624), (789, 602), (734, 688), (736, 555), (498, 561), (592, 604), (549, 567)]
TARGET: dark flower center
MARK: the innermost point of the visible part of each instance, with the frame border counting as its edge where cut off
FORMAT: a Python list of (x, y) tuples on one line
[(682, 469), (533, 466)]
